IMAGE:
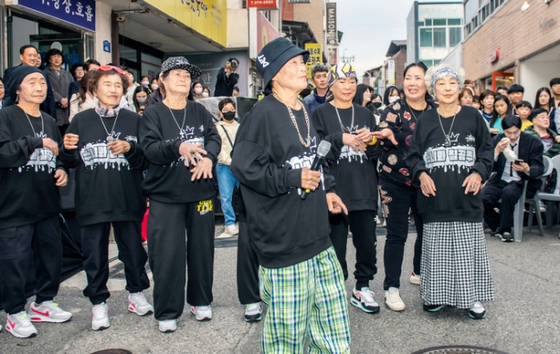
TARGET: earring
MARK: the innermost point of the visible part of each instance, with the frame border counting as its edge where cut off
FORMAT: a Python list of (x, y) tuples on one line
[(17, 99)]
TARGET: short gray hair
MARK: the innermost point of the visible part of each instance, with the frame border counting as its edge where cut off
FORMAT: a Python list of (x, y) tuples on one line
[(441, 70)]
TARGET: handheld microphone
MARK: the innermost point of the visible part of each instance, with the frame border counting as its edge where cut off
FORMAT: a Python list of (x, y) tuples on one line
[(322, 151)]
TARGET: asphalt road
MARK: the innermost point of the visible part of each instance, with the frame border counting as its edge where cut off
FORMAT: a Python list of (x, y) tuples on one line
[(524, 318)]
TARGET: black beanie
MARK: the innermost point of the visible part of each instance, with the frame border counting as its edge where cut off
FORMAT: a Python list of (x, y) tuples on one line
[(15, 80), (274, 55)]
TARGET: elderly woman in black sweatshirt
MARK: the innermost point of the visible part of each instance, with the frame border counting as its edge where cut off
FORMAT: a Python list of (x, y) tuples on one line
[(300, 278), (29, 204), (451, 156), (181, 144), (102, 143)]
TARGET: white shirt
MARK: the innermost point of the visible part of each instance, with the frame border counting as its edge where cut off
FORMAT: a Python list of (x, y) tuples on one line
[(509, 174)]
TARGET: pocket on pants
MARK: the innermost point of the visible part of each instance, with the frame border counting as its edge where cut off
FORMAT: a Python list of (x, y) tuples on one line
[(8, 243)]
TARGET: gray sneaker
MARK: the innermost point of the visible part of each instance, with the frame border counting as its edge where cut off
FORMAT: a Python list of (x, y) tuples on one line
[(506, 237), (253, 312)]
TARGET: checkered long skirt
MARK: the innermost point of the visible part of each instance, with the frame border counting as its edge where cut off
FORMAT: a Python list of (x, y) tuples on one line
[(455, 268)]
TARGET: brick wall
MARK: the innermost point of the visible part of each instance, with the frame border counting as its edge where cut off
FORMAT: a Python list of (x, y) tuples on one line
[(514, 33), (287, 11)]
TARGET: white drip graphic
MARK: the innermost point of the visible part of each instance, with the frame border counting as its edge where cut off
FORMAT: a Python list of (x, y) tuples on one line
[(41, 159), (460, 157), (98, 154)]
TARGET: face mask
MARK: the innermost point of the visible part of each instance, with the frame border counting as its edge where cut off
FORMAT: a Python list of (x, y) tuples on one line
[(154, 87), (145, 83), (141, 100), (393, 99), (229, 115), (205, 94), (198, 90), (376, 104)]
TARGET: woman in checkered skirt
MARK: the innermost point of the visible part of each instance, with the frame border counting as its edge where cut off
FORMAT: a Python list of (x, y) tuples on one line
[(451, 156)]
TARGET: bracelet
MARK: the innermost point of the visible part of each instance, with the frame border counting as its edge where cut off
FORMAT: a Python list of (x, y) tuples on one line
[(373, 141)]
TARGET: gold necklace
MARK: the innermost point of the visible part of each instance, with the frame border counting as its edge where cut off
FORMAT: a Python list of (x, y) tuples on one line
[(412, 110), (306, 142)]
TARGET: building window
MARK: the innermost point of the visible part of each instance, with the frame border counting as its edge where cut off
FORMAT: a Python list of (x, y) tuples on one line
[(440, 38), (425, 37), (454, 22), (440, 22), (428, 63), (454, 36)]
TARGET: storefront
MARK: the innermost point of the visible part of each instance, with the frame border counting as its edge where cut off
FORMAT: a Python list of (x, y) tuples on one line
[(69, 26)]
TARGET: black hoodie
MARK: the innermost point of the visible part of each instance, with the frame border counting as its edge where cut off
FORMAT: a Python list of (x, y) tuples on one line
[(29, 193), (267, 160)]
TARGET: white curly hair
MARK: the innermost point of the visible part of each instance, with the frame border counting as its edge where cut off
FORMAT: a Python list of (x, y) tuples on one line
[(440, 71)]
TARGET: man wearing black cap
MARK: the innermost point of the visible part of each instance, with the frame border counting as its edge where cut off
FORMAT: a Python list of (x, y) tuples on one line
[(29, 204), (301, 280), (227, 78)]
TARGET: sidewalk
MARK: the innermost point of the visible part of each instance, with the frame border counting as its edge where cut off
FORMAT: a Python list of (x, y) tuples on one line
[(524, 319)]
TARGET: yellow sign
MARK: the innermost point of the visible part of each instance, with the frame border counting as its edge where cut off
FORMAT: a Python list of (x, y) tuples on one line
[(315, 56), (207, 17)]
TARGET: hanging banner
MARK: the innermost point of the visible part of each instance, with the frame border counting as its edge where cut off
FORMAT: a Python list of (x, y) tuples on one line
[(79, 13), (315, 56), (266, 32), (332, 32), (332, 55)]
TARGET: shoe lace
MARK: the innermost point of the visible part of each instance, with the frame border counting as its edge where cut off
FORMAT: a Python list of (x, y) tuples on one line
[(139, 298), (367, 295), (22, 317)]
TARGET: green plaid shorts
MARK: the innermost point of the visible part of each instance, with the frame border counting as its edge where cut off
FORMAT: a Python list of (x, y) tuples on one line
[(308, 298)]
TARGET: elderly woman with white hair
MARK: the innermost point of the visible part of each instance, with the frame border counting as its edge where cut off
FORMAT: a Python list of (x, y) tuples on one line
[(451, 156)]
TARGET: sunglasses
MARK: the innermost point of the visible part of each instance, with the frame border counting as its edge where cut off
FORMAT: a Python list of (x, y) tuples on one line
[(111, 67)]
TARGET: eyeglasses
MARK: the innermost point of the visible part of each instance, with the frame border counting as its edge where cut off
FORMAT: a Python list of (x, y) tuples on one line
[(111, 67)]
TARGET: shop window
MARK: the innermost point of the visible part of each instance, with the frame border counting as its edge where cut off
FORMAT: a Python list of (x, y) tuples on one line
[(454, 36), (425, 37), (440, 38)]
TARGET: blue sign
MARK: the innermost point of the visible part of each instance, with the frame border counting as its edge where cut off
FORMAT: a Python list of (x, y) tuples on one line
[(78, 12), (106, 46)]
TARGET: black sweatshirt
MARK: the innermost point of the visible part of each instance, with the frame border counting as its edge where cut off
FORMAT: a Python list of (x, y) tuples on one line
[(168, 179), (267, 160), (29, 192), (225, 84), (107, 186), (402, 120), (470, 150), (355, 172)]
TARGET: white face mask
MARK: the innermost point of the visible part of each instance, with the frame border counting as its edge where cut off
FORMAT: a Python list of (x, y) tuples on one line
[(393, 99), (145, 83), (198, 90), (154, 87), (205, 94)]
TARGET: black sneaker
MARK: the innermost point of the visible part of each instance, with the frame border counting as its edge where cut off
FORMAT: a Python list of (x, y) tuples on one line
[(495, 232), (506, 237), (433, 308)]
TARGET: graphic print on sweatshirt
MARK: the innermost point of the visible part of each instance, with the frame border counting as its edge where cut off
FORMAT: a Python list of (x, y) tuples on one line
[(98, 154), (451, 157), (347, 153), (187, 135), (306, 160), (42, 159)]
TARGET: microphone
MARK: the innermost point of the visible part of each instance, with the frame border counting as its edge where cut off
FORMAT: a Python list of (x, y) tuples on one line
[(322, 151)]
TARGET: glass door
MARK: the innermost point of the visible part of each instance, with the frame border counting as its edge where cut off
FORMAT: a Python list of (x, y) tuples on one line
[(501, 79)]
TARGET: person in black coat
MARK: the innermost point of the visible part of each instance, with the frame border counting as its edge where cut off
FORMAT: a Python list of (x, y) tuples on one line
[(517, 158)]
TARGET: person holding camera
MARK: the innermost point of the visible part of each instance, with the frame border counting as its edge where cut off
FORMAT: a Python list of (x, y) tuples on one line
[(227, 78)]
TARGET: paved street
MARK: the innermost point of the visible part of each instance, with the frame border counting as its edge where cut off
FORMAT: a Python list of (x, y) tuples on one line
[(524, 319)]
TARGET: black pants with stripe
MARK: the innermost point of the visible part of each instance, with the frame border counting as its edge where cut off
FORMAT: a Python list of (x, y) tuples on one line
[(169, 254), (95, 248), (247, 268), (21, 247), (362, 224)]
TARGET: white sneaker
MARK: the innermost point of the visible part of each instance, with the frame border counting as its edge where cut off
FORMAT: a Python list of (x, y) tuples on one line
[(167, 326), (253, 312), (202, 313), (363, 299), (48, 311), (415, 278), (100, 317), (232, 230), (138, 304), (393, 299), (20, 326)]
